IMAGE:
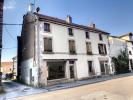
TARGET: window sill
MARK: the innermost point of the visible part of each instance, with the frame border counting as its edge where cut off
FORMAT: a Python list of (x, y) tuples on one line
[(89, 53), (48, 52), (73, 53), (47, 31), (103, 54)]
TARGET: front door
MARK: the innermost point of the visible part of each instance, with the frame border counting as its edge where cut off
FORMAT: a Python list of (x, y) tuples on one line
[(71, 71), (104, 68), (71, 68), (90, 68)]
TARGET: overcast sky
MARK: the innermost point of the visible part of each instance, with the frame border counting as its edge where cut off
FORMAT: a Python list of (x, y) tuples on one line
[(113, 16)]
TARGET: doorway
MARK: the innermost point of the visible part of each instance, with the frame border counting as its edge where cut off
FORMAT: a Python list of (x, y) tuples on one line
[(105, 70), (91, 71), (71, 69)]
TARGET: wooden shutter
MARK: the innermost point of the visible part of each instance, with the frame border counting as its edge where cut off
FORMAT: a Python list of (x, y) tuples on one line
[(99, 48), (50, 44), (88, 48), (105, 49), (45, 44), (72, 46)]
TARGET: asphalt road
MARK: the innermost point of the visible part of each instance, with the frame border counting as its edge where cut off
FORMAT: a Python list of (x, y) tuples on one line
[(116, 89)]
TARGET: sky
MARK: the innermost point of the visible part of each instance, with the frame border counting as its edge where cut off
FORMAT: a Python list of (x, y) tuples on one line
[(113, 16)]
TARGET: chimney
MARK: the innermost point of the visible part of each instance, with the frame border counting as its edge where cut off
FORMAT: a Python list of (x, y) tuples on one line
[(93, 25), (31, 7), (69, 19)]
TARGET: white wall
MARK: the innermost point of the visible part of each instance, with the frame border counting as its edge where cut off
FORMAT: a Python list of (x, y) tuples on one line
[(116, 45), (60, 38), (25, 72)]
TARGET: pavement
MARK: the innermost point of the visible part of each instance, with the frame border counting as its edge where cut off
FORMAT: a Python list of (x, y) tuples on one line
[(115, 89), (14, 90)]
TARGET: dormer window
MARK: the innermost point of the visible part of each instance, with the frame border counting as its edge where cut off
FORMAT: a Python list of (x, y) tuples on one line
[(70, 31), (47, 27)]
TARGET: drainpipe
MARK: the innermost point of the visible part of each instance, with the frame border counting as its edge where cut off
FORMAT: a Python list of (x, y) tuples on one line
[(109, 53)]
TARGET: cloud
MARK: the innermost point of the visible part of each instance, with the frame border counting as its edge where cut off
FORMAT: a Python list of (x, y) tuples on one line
[(9, 4)]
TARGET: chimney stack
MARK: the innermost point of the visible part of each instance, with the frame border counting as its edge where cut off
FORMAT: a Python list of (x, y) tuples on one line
[(93, 25), (31, 7), (69, 19)]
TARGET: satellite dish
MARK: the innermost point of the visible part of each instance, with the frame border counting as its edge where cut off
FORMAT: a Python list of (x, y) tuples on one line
[(37, 9)]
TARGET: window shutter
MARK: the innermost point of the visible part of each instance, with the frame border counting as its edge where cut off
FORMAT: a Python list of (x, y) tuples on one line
[(73, 45), (105, 49), (99, 48), (45, 44), (50, 45)]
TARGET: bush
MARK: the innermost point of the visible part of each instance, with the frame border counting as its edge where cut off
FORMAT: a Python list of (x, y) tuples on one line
[(121, 62)]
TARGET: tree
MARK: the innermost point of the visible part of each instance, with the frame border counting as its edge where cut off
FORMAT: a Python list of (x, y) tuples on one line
[(121, 62)]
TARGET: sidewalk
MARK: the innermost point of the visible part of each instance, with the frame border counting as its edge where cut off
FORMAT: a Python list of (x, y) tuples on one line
[(14, 89)]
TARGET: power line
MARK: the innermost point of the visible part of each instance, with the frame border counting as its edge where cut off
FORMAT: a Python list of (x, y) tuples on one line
[(9, 34), (11, 24), (9, 48)]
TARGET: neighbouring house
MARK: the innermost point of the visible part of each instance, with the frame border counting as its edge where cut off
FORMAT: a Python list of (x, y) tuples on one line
[(118, 43), (6, 67), (52, 51), (14, 71)]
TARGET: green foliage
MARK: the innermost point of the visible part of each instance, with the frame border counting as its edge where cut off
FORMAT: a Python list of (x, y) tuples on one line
[(121, 62)]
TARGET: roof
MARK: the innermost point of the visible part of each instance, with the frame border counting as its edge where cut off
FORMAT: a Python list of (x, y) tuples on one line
[(64, 23), (126, 34), (6, 64), (119, 37)]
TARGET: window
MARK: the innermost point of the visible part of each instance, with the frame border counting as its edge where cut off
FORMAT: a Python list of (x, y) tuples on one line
[(130, 52), (70, 31), (47, 45), (72, 47), (100, 37), (90, 67), (47, 27), (102, 49), (87, 35), (88, 48)]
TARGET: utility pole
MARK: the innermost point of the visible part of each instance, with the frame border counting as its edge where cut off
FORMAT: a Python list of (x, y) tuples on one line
[(1, 31)]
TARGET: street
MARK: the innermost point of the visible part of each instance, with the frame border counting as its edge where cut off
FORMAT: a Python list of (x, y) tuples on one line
[(116, 89)]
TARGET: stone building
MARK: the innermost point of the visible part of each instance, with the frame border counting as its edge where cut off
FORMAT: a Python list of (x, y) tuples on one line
[(52, 51)]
